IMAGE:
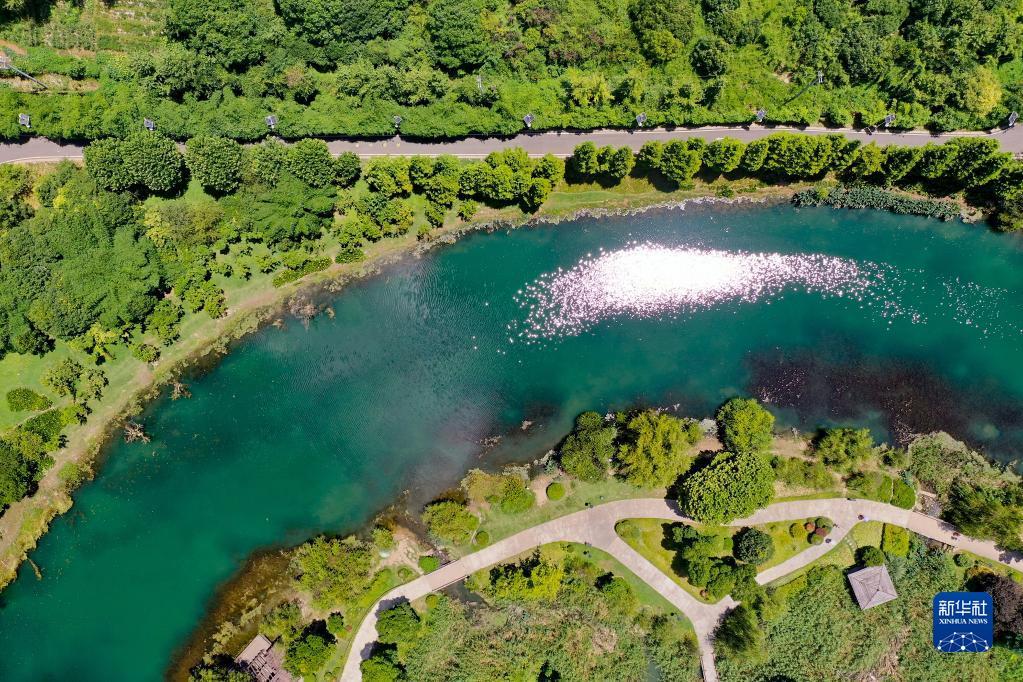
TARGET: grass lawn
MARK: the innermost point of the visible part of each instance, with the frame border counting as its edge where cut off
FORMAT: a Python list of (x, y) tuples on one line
[(647, 536), (578, 495)]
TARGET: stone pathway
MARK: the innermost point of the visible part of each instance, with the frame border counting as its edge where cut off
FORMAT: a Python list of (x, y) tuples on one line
[(596, 527)]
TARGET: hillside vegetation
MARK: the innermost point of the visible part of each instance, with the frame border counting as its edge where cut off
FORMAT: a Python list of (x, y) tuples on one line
[(454, 67)]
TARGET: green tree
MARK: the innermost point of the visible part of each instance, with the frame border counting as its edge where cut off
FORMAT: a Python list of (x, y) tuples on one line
[(732, 485), (656, 449), (984, 513), (334, 24), (680, 162), (63, 377), (310, 161), (215, 162), (587, 451), (334, 571), (724, 155), (745, 426), (753, 546), (307, 654), (663, 26), (398, 625), (382, 666)]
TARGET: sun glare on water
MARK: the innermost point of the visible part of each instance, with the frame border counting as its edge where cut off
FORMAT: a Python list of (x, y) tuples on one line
[(648, 280)]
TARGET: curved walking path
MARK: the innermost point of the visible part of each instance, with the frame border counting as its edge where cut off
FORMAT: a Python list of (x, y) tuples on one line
[(596, 526), (560, 143)]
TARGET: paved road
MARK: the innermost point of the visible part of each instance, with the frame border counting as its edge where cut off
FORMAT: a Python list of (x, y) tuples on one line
[(595, 526), (559, 143)]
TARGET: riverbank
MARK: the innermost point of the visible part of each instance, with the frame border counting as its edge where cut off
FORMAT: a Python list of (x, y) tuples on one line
[(258, 303)]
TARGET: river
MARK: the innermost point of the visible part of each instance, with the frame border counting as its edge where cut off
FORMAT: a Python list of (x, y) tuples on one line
[(898, 323)]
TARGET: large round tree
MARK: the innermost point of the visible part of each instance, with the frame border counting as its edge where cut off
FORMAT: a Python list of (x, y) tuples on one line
[(733, 485)]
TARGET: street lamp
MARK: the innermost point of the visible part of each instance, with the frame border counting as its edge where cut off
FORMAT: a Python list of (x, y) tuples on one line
[(761, 115), (640, 119), (528, 120), (148, 124), (25, 120), (271, 122)]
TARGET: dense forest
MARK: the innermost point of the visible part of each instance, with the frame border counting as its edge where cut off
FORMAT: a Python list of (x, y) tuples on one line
[(454, 67)]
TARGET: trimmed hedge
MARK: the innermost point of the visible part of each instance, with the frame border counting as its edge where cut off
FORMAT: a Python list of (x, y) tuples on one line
[(27, 400)]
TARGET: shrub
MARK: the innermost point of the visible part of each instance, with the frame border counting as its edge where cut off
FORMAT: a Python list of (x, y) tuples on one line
[(815, 539), (555, 491), (481, 539), (870, 556), (27, 400), (895, 540), (429, 563), (824, 522), (964, 560), (145, 352), (336, 624), (450, 521), (587, 451), (903, 494), (432, 600), (821, 531), (796, 530), (515, 496), (843, 448), (810, 526), (753, 546)]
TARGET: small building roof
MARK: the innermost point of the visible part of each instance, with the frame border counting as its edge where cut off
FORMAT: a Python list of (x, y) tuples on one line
[(872, 586), (263, 661)]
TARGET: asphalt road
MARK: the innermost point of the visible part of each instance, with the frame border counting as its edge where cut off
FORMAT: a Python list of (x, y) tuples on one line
[(559, 143)]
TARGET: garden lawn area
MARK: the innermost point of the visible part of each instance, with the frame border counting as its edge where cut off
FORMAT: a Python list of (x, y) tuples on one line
[(786, 545), (647, 536), (578, 495), (844, 554)]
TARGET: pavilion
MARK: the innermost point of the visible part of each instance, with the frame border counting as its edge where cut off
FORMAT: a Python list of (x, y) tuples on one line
[(872, 586)]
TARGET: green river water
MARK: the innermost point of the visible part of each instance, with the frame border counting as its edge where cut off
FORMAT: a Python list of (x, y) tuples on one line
[(898, 323)]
